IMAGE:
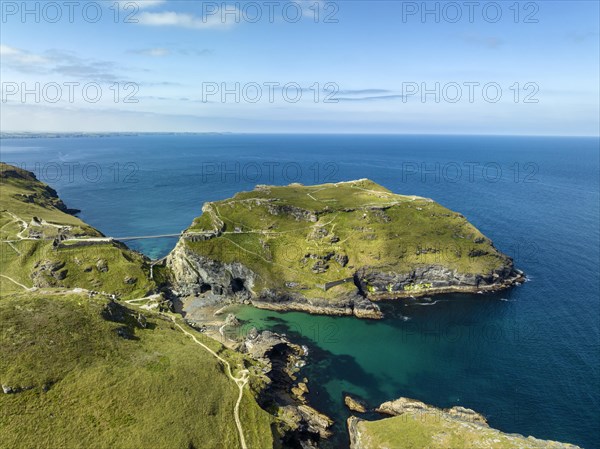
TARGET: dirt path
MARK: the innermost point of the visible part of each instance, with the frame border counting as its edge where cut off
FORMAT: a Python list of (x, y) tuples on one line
[(239, 381), (18, 283)]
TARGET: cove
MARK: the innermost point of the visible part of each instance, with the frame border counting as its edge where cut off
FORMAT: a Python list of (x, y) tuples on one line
[(445, 350)]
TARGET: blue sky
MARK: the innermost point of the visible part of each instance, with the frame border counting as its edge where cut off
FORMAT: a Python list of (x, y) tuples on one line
[(360, 67)]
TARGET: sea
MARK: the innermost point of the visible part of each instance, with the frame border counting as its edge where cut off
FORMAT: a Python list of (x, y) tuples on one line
[(527, 358)]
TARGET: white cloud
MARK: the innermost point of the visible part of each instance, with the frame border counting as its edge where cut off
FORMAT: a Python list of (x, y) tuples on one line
[(5, 50), (184, 20), (150, 3), (21, 57), (159, 52), (155, 52)]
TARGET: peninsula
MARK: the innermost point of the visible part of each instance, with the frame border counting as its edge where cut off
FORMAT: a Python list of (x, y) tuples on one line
[(333, 249)]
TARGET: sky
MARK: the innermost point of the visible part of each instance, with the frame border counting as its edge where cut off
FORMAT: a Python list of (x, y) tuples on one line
[(305, 66)]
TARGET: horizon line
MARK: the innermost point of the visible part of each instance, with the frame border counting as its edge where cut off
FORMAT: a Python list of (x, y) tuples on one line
[(7, 134)]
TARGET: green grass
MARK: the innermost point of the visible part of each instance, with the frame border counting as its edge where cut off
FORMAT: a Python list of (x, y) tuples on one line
[(159, 390), (362, 220), (434, 431), (42, 202), (81, 266), (23, 197)]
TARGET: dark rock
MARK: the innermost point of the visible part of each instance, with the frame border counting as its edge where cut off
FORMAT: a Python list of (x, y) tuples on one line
[(47, 273), (477, 253), (342, 259), (130, 280), (102, 265), (318, 233), (297, 213), (319, 267)]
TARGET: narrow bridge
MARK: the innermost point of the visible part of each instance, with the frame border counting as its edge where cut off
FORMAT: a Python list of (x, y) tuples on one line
[(142, 237)]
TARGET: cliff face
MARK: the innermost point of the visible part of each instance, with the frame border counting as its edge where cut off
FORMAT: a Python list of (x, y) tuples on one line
[(195, 274), (415, 424), (435, 278), (332, 249)]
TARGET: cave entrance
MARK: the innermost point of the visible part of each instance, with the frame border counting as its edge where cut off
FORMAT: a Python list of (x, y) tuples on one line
[(237, 285), (205, 288)]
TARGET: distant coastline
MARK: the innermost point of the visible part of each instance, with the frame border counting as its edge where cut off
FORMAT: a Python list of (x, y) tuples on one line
[(57, 135)]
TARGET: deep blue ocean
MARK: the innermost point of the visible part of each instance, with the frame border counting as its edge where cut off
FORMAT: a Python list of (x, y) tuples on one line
[(527, 358)]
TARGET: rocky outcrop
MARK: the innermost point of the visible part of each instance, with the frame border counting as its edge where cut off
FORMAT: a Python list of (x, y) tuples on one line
[(8, 389), (48, 273), (194, 274), (304, 425), (354, 433), (349, 304), (443, 429), (316, 422), (406, 405), (292, 211), (431, 279), (355, 405)]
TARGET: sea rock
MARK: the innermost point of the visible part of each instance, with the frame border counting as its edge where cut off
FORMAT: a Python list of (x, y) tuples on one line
[(355, 405), (232, 320), (281, 361), (316, 422), (347, 304), (299, 391)]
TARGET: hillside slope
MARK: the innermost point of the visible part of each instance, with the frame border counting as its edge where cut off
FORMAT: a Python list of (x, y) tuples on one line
[(91, 373), (43, 246)]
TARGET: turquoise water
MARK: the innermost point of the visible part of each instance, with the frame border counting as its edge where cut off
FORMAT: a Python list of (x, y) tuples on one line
[(527, 358)]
